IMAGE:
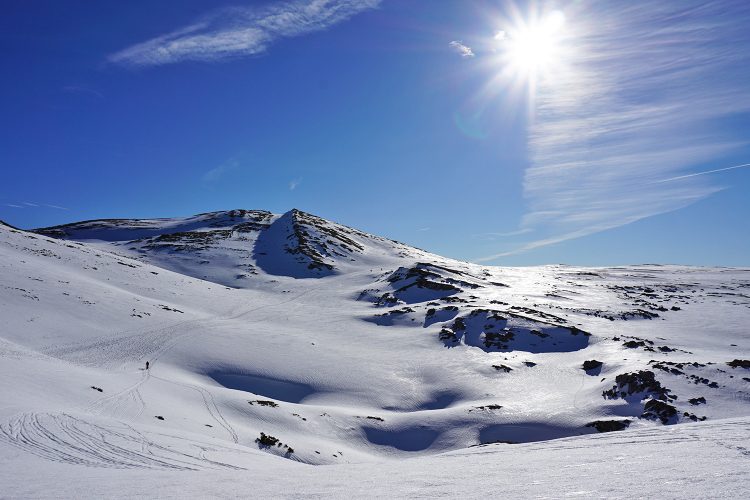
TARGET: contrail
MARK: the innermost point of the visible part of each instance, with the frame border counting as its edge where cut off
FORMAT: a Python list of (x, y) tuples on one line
[(703, 173)]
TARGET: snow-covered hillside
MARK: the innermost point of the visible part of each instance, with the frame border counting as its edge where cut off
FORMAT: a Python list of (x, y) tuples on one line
[(276, 341)]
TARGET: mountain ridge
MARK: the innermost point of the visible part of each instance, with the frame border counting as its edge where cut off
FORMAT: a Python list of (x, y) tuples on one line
[(315, 246)]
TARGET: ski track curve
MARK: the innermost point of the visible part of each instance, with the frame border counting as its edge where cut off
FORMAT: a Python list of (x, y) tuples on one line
[(152, 345), (64, 438), (68, 439), (113, 404), (210, 404)]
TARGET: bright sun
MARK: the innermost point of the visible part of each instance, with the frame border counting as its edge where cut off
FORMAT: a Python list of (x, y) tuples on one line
[(534, 47)]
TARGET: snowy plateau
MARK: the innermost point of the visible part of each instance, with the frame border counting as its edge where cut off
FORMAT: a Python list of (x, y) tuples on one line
[(290, 356)]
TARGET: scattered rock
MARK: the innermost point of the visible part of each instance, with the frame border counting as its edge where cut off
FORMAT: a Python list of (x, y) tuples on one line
[(448, 336), (268, 441), (491, 407), (639, 382), (632, 344), (693, 417), (263, 402), (656, 409), (592, 364), (609, 425), (459, 324)]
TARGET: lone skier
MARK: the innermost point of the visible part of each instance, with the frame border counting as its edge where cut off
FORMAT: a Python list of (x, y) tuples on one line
[(146, 365)]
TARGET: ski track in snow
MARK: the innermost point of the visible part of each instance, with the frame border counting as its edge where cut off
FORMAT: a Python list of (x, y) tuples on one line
[(210, 404), (65, 438), (160, 341)]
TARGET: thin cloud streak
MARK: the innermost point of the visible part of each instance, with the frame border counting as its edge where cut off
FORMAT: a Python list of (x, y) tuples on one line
[(240, 31), (77, 89), (508, 234), (217, 173), (29, 205), (638, 104), (744, 165)]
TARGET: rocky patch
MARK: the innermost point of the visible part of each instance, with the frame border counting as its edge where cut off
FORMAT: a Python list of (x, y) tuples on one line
[(642, 383), (655, 409), (262, 402), (493, 331), (266, 441), (592, 366), (740, 363), (609, 425)]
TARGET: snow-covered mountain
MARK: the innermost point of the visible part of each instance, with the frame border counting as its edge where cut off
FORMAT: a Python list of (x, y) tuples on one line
[(275, 341), (233, 246)]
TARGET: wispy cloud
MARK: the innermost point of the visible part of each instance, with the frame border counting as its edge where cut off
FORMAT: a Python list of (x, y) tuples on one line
[(506, 234), (57, 207), (217, 173), (461, 49), (240, 31), (294, 183), (79, 89), (13, 205), (642, 102)]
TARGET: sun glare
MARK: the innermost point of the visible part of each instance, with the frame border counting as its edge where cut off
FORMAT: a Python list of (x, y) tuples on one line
[(534, 47)]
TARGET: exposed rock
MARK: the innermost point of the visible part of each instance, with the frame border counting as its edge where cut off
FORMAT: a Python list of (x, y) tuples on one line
[(656, 409), (641, 382), (504, 368), (592, 364), (609, 425), (262, 402)]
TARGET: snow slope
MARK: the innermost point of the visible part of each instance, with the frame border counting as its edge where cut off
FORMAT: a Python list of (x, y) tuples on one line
[(276, 341), (707, 460)]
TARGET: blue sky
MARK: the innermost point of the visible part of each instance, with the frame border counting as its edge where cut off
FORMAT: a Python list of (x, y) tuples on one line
[(423, 121)]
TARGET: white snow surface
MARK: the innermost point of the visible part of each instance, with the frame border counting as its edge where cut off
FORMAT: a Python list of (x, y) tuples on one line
[(398, 372)]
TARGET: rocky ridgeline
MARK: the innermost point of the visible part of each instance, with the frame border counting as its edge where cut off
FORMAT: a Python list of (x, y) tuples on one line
[(318, 242), (296, 244), (420, 283), (496, 330)]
